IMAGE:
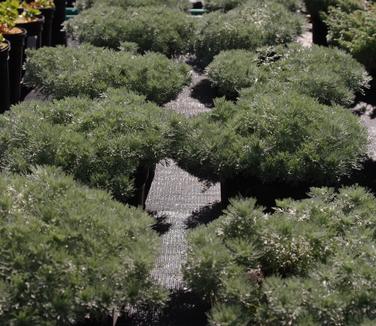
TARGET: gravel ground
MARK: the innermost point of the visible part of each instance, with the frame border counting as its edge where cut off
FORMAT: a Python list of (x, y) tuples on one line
[(35, 95), (306, 38), (175, 195), (367, 114)]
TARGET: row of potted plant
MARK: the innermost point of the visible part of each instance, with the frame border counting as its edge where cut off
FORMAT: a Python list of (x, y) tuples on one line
[(171, 31), (18, 21), (273, 143), (282, 130), (89, 71), (236, 72), (289, 77), (112, 143), (227, 5)]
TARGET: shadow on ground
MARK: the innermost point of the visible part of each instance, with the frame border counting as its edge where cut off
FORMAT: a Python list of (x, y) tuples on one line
[(160, 225), (183, 309), (365, 177), (204, 93), (369, 96), (204, 215)]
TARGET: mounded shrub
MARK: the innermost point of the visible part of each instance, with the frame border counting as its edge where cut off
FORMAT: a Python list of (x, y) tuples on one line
[(112, 143), (311, 262), (317, 7), (355, 33), (292, 5), (86, 4), (294, 66), (275, 137), (246, 27), (158, 29), (232, 70), (69, 252), (226, 5), (90, 71)]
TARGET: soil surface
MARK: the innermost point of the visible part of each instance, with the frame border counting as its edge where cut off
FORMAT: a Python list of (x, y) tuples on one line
[(367, 114), (306, 38)]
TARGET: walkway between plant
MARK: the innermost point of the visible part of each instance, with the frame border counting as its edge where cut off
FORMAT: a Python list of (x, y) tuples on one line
[(175, 195)]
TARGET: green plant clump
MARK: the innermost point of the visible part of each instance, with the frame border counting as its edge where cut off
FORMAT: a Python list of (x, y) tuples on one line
[(86, 4), (354, 32), (158, 29), (246, 27), (311, 262), (328, 74), (69, 252), (90, 71), (318, 7), (226, 5), (279, 136), (102, 143), (8, 15)]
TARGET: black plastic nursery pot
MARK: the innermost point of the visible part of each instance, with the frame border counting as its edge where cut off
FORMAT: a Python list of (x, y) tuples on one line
[(58, 36), (48, 14), (17, 44), (319, 31), (4, 77), (34, 28), (143, 179), (70, 3)]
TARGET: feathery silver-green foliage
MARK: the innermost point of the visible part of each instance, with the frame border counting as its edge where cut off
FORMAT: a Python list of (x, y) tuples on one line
[(158, 29), (246, 27), (279, 136), (101, 143), (327, 74), (68, 252), (311, 262), (90, 71)]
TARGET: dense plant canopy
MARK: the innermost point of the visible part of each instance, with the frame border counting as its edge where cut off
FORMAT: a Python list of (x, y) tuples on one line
[(310, 263), (330, 75), (277, 136), (101, 143), (318, 7), (158, 29), (354, 32), (74, 255), (86, 4), (247, 27), (226, 5), (69, 252), (90, 71)]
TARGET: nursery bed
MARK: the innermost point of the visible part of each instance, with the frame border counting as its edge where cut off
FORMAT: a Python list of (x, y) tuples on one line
[(174, 195)]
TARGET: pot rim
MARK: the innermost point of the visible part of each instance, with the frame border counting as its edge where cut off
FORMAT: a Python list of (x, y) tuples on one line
[(38, 19), (6, 48), (23, 32)]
